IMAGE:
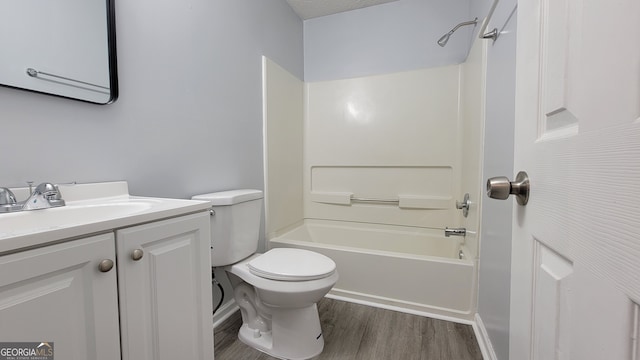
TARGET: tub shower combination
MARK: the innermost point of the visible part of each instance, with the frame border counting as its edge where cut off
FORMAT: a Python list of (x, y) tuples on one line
[(411, 268), (379, 162)]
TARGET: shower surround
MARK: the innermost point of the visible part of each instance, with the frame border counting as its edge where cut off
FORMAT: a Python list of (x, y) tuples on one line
[(384, 159)]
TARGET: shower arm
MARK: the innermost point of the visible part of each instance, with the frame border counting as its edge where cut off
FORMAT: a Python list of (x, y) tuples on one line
[(472, 22), (445, 38)]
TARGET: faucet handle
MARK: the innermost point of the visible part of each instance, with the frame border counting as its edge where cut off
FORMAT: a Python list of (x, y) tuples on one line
[(7, 197)]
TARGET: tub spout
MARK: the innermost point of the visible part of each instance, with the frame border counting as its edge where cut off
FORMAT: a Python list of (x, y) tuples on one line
[(455, 232)]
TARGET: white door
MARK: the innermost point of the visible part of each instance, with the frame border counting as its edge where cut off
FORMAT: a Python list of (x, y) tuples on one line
[(576, 245)]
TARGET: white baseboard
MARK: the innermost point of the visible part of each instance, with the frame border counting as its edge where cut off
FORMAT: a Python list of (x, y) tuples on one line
[(402, 306), (483, 339), (224, 312)]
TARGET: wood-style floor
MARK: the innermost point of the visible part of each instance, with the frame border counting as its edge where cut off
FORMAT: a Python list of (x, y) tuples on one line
[(353, 331)]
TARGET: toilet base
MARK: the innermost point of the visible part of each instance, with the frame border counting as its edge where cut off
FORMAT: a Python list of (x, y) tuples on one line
[(295, 334)]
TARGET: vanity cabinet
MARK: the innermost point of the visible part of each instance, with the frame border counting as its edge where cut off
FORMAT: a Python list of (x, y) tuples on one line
[(155, 304), (58, 294), (164, 275)]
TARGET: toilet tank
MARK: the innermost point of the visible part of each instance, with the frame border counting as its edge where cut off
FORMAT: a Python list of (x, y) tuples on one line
[(235, 226)]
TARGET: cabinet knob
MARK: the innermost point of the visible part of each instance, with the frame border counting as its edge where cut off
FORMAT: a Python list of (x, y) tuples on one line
[(137, 254), (105, 265)]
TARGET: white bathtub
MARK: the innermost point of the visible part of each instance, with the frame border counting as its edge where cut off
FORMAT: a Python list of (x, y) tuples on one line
[(411, 269)]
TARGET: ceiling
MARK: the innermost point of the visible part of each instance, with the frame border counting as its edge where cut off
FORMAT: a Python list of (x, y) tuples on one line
[(308, 9)]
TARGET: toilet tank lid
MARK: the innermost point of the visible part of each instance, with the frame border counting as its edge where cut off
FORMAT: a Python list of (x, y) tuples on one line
[(230, 197)]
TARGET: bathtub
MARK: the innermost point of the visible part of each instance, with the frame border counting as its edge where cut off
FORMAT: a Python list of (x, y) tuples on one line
[(404, 268)]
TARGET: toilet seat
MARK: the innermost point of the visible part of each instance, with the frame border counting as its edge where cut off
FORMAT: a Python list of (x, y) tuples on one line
[(286, 264)]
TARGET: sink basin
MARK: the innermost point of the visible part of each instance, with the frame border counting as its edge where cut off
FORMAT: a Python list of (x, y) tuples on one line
[(90, 208), (72, 214)]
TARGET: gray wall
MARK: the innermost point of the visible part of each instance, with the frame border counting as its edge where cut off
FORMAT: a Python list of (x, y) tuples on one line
[(495, 248), (189, 116), (388, 38)]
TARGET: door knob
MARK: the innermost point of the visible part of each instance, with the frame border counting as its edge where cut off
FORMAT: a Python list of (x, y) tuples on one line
[(500, 188)]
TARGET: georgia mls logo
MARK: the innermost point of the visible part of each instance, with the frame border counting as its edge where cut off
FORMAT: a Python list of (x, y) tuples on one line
[(26, 350), (45, 349)]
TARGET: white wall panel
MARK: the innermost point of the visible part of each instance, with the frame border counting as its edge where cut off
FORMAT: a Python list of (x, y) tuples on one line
[(383, 137), (472, 111), (283, 121)]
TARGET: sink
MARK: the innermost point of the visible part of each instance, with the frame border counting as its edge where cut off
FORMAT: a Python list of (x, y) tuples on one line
[(72, 214), (90, 208)]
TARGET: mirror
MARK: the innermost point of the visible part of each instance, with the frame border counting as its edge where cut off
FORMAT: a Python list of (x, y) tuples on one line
[(59, 47)]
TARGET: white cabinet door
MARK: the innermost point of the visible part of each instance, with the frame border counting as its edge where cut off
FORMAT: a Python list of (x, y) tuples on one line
[(165, 295), (575, 289), (57, 294)]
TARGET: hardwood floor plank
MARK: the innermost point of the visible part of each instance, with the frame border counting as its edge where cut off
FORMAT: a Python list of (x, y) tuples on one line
[(343, 325), (391, 335), (466, 336), (353, 331), (448, 340)]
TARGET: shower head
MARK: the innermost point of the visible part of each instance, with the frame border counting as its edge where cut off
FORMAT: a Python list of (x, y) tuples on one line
[(443, 40)]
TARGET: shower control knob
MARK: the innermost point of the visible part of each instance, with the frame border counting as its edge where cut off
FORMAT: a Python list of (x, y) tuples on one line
[(464, 205), (500, 188)]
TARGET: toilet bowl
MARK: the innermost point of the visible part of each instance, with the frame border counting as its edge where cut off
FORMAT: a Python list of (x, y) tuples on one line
[(276, 291), (280, 317)]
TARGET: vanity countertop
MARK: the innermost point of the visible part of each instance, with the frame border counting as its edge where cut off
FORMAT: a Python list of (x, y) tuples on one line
[(90, 209)]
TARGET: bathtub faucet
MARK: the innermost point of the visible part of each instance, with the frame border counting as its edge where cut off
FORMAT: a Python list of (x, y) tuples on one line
[(455, 232)]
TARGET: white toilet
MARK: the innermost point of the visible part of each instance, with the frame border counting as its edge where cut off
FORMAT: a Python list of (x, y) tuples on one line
[(276, 291)]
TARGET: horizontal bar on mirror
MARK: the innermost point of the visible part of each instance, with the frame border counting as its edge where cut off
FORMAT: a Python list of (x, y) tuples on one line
[(67, 81)]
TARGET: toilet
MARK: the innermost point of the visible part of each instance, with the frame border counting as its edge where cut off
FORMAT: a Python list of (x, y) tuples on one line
[(276, 291)]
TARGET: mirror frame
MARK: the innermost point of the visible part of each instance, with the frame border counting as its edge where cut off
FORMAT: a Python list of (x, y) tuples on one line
[(111, 44), (112, 61)]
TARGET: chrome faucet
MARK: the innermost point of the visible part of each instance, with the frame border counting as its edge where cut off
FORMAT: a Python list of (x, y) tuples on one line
[(8, 201), (455, 232), (45, 195)]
